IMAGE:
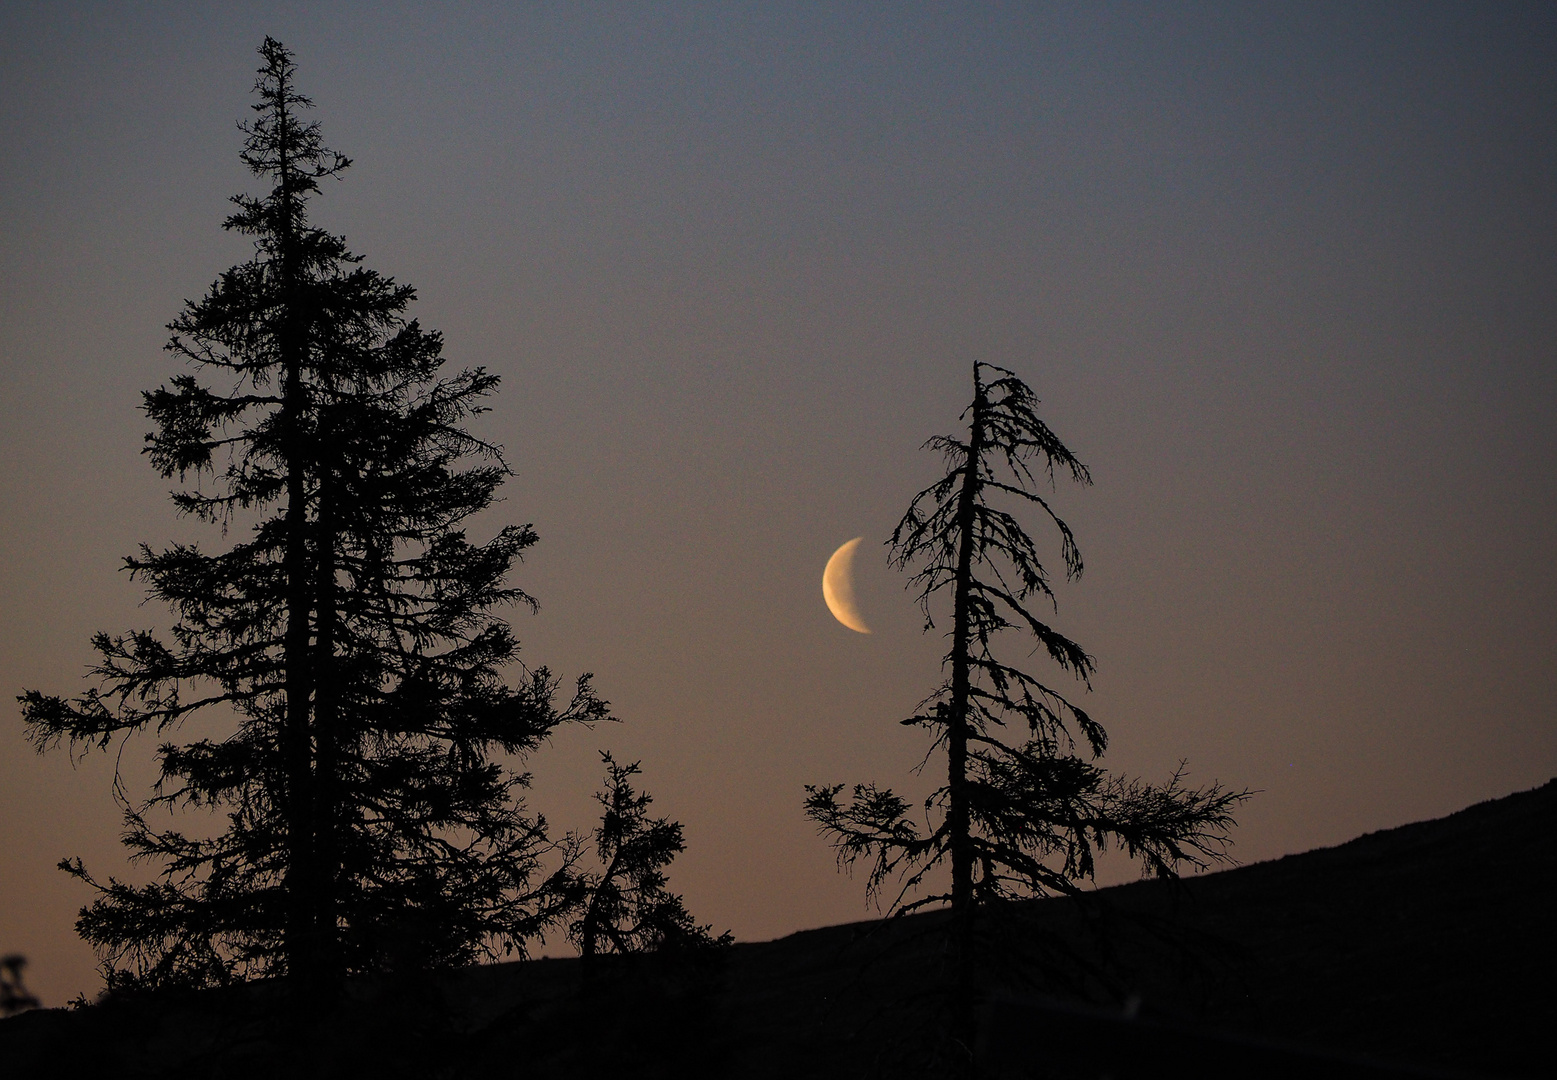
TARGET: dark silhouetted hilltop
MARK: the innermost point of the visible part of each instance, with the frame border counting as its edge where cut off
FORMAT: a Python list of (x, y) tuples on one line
[(1428, 946)]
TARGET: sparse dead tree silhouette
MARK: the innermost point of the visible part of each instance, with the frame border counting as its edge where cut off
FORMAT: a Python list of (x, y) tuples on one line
[(1024, 807), (349, 642)]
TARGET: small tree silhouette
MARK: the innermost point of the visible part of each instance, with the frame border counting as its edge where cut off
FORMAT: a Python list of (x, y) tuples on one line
[(1015, 818), (14, 996), (628, 907)]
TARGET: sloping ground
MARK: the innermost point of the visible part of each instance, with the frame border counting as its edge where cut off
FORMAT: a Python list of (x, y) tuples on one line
[(1429, 945), (1433, 942)]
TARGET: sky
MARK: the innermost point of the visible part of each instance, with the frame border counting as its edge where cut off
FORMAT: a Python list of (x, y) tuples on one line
[(1283, 277)]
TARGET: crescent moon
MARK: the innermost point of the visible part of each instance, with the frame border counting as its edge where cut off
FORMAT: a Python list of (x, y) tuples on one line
[(838, 587)]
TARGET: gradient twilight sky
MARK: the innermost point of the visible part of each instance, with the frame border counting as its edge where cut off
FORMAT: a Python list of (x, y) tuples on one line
[(1285, 278)]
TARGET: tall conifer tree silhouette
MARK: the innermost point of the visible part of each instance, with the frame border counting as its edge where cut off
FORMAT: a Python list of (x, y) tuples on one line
[(350, 642), (1016, 817)]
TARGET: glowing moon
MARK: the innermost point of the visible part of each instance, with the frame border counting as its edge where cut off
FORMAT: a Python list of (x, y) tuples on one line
[(838, 587)]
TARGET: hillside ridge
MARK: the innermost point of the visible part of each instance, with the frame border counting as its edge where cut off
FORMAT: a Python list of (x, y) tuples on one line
[(1427, 944)]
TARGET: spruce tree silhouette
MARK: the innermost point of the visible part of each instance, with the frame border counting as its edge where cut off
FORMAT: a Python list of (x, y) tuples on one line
[(1015, 819), (350, 641), (629, 909)]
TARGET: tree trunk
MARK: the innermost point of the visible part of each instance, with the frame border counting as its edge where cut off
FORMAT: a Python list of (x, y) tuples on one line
[(301, 951), (298, 737), (959, 822), (326, 857)]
